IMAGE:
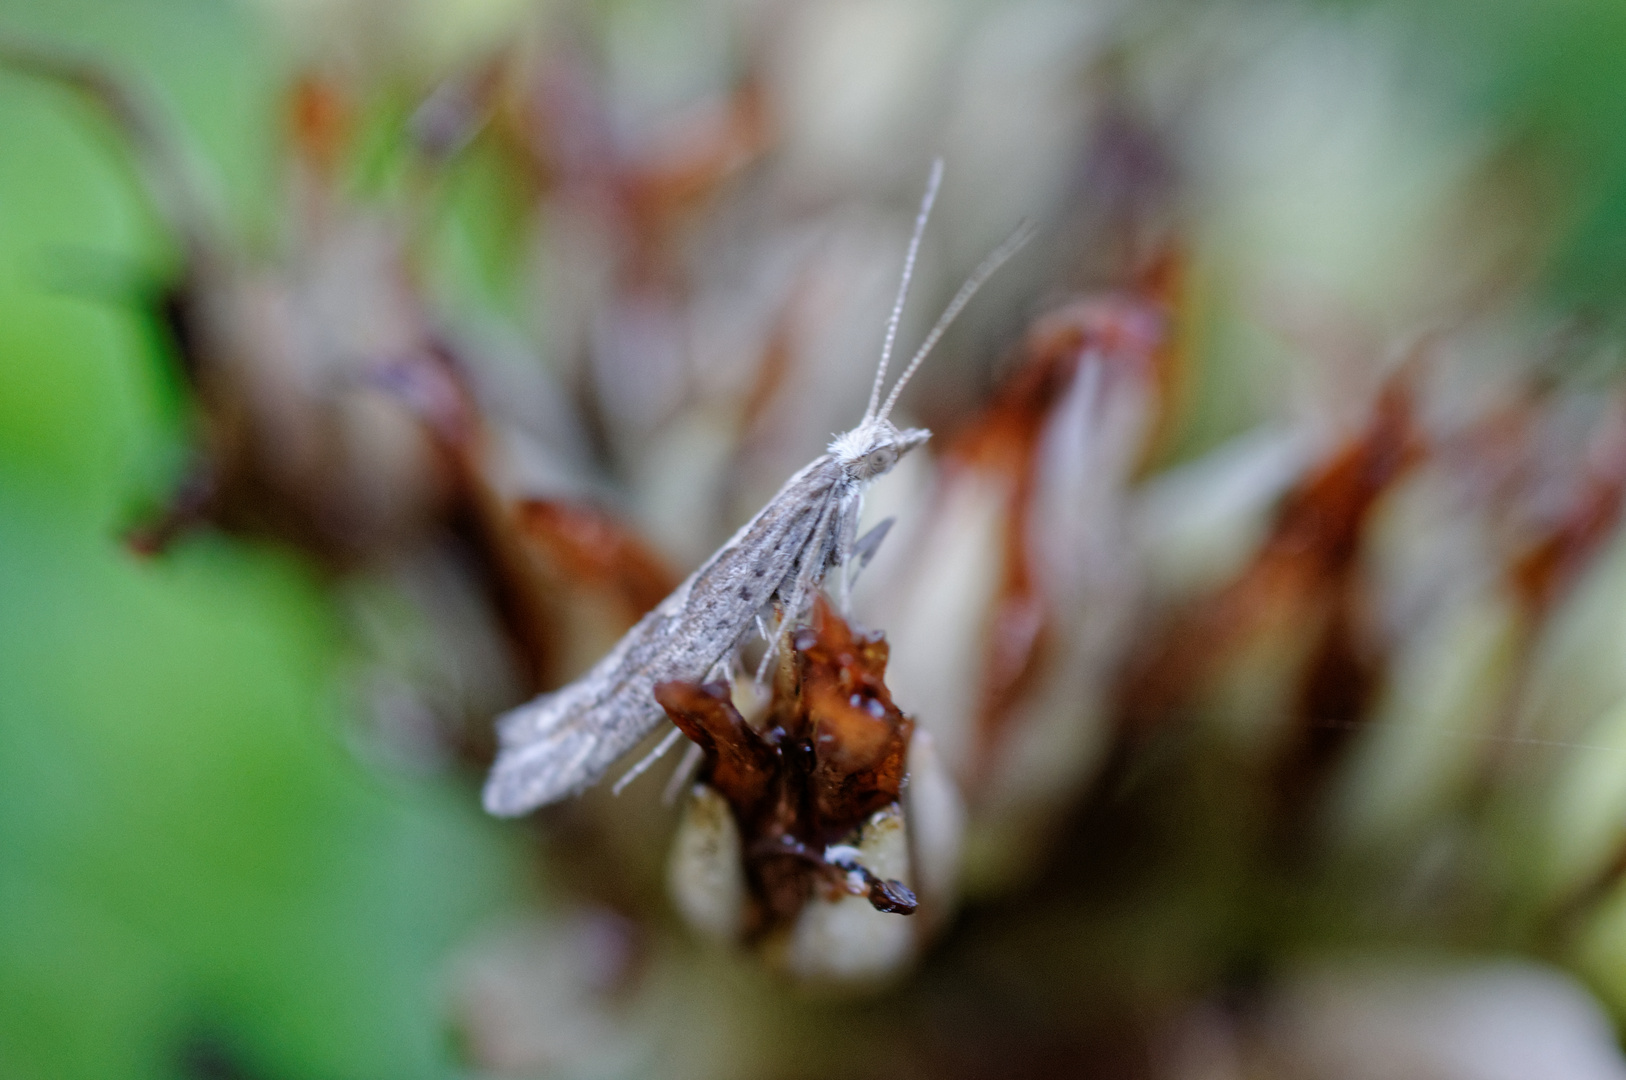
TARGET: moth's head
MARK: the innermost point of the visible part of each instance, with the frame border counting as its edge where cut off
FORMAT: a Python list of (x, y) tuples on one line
[(873, 447)]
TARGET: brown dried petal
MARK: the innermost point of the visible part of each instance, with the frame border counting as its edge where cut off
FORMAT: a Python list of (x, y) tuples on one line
[(830, 753), (1301, 571), (859, 737), (740, 764), (1127, 336), (1552, 561), (595, 548)]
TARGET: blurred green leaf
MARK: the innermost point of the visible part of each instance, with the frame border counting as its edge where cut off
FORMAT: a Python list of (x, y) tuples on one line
[(189, 847)]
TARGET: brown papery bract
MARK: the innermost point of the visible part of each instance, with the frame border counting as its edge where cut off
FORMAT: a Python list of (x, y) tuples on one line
[(1305, 561), (595, 548), (1551, 561), (1129, 335), (830, 752)]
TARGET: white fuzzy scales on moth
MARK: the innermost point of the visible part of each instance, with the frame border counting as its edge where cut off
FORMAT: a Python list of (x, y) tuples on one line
[(563, 742)]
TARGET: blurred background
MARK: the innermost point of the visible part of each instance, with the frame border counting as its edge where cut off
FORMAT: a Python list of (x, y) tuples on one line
[(368, 366)]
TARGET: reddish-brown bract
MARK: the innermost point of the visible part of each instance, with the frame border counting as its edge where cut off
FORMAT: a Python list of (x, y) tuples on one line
[(830, 752), (1130, 335), (594, 548), (1551, 562), (1305, 562)]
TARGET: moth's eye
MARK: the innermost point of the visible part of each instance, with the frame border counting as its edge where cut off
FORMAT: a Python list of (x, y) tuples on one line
[(882, 459)]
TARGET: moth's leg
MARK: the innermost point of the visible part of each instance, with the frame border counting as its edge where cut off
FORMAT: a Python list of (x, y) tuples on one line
[(864, 550), (647, 760), (733, 669), (682, 774), (848, 510), (761, 678), (769, 653)]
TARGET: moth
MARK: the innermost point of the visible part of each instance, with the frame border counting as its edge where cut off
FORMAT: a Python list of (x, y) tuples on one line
[(563, 742)]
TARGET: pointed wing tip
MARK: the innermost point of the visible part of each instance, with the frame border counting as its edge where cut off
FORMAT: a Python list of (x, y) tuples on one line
[(531, 773), (516, 786), (554, 747), (499, 800)]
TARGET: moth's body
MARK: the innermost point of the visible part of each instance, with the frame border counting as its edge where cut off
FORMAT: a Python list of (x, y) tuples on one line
[(562, 743)]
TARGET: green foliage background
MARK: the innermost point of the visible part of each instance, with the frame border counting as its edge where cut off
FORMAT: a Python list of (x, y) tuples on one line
[(189, 853)]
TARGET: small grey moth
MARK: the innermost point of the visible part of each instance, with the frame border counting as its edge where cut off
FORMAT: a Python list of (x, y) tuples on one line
[(563, 742)]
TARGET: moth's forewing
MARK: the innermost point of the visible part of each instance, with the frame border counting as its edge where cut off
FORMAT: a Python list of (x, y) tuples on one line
[(564, 742)]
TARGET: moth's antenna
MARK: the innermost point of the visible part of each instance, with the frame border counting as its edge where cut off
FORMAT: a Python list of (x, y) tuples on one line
[(903, 286), (979, 277)]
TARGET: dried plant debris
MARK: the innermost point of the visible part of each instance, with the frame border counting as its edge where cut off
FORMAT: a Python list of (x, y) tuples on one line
[(294, 436), (805, 782), (1296, 592), (621, 206), (1562, 536), (1011, 604), (591, 545), (555, 118), (1075, 418)]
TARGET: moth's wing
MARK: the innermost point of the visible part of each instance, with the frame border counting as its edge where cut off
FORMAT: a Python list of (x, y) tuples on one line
[(564, 742), (561, 743), (817, 556)]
